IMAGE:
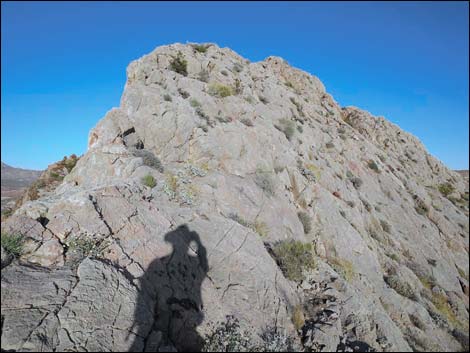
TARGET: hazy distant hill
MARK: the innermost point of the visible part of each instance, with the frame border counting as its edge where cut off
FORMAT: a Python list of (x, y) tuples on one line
[(14, 181)]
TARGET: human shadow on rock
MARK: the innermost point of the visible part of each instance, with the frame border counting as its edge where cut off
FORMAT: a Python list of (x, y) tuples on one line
[(169, 305)]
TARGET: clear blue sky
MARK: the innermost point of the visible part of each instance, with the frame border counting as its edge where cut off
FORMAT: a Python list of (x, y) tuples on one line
[(63, 64)]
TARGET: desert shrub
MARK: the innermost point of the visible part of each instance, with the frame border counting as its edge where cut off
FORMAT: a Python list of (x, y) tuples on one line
[(298, 317), (400, 286), (446, 189), (393, 256), (300, 128), (224, 72), (343, 267), (306, 221), (247, 121), (201, 48), (273, 340), (287, 127), (203, 75), (149, 159), (179, 65), (12, 243), (227, 337), (264, 180), (149, 181), (293, 257), (330, 145), (194, 103), (71, 162), (167, 97), (83, 246), (219, 90), (443, 306), (372, 165), (56, 176), (257, 226)]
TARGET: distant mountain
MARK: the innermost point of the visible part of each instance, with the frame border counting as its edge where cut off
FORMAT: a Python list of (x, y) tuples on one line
[(14, 181), (463, 173)]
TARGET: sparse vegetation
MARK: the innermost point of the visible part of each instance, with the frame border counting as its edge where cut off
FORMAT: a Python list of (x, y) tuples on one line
[(400, 286), (167, 97), (149, 159), (306, 221), (219, 90), (149, 181), (330, 145), (344, 268), (194, 103), (298, 317), (227, 336), (446, 189), (287, 127), (264, 180), (178, 64), (293, 257), (259, 227), (263, 99), (12, 243), (201, 48)]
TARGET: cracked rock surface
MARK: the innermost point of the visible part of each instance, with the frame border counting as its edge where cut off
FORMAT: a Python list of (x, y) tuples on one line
[(236, 150)]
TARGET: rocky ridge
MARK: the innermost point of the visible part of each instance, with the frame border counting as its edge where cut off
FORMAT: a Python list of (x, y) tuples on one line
[(165, 225)]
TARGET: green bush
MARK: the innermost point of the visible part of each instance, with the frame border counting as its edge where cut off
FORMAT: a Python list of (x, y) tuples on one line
[(287, 127), (293, 257), (201, 48), (306, 221), (179, 64), (12, 243), (446, 189), (149, 181), (219, 90)]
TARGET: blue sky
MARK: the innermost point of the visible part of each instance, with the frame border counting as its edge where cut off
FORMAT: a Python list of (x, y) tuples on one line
[(63, 63)]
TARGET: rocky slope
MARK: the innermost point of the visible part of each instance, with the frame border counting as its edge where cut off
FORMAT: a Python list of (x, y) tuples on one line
[(14, 181), (175, 217)]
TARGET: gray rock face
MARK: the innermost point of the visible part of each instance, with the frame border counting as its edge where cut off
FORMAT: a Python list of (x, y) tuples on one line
[(233, 152)]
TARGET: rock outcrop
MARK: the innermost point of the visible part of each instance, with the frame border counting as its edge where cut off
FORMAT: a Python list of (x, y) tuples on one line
[(166, 224)]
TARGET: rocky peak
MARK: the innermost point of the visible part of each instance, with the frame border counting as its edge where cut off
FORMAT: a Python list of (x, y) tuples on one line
[(223, 187)]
